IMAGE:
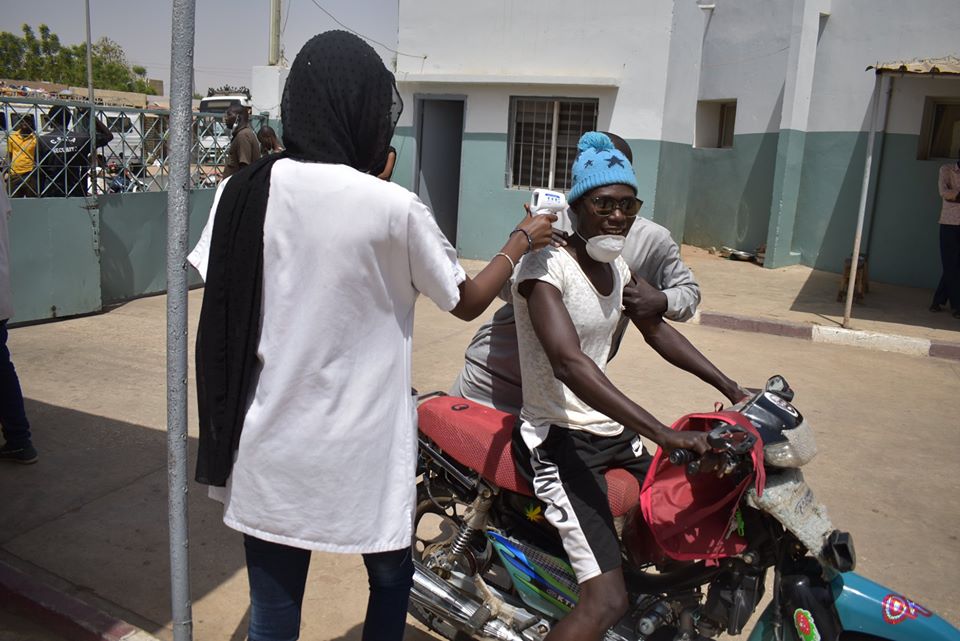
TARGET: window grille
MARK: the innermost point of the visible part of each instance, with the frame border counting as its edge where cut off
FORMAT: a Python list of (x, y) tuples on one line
[(544, 137), (940, 129)]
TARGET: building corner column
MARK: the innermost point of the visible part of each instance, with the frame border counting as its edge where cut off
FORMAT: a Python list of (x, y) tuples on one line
[(791, 143), (675, 153)]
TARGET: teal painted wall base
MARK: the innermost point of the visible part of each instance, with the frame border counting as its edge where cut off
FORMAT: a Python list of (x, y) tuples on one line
[(673, 176), (903, 242), (54, 258), (787, 177), (717, 197), (406, 146), (67, 260), (730, 193), (134, 242)]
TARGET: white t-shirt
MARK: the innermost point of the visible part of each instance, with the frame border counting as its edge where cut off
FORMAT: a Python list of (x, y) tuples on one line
[(327, 455), (547, 401)]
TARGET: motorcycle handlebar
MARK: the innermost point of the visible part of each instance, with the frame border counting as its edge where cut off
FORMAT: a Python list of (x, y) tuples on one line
[(686, 457)]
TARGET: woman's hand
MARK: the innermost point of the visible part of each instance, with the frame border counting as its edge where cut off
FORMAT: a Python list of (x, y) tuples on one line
[(539, 228)]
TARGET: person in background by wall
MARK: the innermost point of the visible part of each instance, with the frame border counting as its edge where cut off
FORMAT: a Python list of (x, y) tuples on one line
[(269, 143), (387, 170), (949, 287), (244, 146), (22, 149), (17, 446)]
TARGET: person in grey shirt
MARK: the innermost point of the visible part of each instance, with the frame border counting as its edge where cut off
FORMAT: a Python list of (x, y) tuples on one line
[(662, 285)]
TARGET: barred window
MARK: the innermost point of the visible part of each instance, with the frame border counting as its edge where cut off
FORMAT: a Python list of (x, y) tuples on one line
[(544, 136), (940, 129)]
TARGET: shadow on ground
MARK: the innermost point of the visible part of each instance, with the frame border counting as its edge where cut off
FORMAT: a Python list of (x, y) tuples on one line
[(93, 511), (90, 518), (883, 303)]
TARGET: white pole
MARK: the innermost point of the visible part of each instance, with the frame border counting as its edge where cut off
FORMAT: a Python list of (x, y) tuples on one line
[(861, 211)]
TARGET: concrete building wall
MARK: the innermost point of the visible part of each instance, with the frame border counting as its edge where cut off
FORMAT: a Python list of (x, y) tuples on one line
[(544, 42), (744, 59), (558, 49), (901, 236), (67, 259), (796, 69), (745, 56)]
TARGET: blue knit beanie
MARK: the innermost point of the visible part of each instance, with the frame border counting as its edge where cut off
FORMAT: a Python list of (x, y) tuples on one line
[(598, 164)]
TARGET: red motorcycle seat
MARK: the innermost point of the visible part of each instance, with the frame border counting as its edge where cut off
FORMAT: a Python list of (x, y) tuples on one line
[(480, 438)]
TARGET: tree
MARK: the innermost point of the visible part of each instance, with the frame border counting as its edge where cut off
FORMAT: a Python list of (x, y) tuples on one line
[(45, 58)]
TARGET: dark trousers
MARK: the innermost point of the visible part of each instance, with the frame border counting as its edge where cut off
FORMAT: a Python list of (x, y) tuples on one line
[(949, 287), (278, 575), (13, 418)]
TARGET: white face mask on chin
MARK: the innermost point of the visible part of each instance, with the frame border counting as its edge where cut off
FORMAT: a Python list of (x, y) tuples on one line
[(604, 248)]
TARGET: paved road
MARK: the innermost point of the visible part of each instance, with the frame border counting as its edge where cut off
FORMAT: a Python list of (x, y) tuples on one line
[(93, 510)]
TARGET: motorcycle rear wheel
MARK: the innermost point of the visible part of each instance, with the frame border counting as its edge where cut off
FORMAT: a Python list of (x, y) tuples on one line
[(436, 523)]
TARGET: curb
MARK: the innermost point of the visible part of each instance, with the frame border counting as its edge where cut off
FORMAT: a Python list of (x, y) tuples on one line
[(62, 613), (834, 335)]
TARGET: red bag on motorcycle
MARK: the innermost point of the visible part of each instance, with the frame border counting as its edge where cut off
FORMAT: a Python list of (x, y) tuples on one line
[(693, 517)]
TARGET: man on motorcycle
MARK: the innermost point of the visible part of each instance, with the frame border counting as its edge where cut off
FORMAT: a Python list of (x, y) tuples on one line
[(569, 304), (662, 285)]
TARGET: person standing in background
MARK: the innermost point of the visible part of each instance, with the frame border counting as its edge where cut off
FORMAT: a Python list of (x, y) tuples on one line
[(386, 172), (18, 446), (244, 146), (22, 150), (949, 287), (63, 152), (269, 144)]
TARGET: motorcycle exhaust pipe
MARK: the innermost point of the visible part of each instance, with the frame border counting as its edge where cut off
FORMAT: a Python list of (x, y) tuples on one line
[(432, 593)]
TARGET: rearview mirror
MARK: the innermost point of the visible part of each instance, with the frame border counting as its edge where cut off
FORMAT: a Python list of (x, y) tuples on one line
[(779, 386)]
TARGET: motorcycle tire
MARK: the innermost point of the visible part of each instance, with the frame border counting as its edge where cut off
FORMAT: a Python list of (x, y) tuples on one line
[(436, 502)]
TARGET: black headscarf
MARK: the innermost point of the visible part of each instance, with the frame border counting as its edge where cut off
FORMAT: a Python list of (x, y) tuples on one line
[(340, 105)]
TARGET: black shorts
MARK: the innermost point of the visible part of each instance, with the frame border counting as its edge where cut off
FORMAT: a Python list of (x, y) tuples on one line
[(567, 474)]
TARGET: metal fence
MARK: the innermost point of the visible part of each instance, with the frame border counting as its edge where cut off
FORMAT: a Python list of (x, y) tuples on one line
[(45, 148)]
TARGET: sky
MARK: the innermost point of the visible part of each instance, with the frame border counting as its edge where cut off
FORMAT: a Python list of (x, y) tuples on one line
[(231, 35)]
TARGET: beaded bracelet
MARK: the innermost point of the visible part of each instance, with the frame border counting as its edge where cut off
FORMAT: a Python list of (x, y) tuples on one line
[(529, 239), (513, 265)]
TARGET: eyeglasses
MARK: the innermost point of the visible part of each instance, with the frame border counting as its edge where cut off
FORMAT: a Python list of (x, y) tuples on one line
[(605, 205)]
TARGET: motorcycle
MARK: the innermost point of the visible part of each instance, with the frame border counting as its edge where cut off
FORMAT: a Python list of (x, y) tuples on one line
[(489, 566)]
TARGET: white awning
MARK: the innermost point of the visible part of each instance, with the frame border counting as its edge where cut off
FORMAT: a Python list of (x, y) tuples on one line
[(948, 65)]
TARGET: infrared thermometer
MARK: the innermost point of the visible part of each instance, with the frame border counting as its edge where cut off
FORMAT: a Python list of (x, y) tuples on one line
[(547, 201)]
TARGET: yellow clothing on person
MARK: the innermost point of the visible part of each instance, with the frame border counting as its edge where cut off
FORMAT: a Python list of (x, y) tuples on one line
[(21, 149)]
